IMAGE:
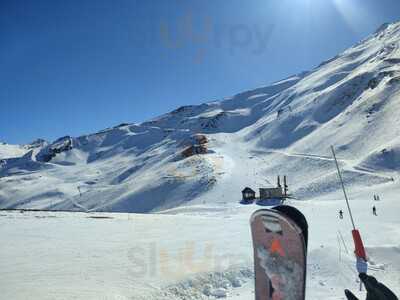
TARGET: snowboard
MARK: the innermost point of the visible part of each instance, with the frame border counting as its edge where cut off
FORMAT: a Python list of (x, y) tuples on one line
[(280, 237)]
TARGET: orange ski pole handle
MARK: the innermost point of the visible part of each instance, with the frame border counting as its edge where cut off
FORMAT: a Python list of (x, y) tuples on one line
[(358, 243)]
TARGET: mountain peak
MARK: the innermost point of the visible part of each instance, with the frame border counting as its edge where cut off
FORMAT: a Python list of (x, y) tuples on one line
[(350, 101)]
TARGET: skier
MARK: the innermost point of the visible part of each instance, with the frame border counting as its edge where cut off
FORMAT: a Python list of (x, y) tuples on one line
[(341, 214), (374, 210), (375, 289)]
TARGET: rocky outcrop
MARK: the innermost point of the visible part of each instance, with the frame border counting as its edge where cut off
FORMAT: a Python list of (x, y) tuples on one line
[(61, 145)]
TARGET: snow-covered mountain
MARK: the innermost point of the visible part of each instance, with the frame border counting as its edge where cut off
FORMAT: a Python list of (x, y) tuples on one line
[(189, 166), (207, 153)]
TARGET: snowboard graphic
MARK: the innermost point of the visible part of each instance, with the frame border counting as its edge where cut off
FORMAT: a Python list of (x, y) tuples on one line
[(280, 250)]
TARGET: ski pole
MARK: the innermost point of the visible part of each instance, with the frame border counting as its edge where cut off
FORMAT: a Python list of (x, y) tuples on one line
[(358, 243)]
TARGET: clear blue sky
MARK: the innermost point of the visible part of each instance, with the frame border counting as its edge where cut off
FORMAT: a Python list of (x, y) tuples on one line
[(75, 67)]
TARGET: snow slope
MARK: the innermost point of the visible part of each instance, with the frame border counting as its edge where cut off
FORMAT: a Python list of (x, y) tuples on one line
[(193, 252), (350, 101), (9, 151)]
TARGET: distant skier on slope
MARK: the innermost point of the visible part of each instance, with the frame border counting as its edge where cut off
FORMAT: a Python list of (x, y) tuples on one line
[(375, 289), (374, 210), (341, 214)]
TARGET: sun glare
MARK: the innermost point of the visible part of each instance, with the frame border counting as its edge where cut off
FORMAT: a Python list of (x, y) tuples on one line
[(353, 13)]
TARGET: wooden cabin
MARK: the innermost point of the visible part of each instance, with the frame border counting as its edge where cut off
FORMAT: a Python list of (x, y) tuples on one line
[(200, 139), (197, 144), (248, 195), (193, 150)]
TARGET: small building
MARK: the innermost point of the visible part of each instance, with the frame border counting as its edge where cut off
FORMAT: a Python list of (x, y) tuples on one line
[(271, 193), (197, 144), (193, 150), (248, 195)]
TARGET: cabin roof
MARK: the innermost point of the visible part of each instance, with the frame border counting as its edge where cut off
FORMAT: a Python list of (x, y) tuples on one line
[(248, 190), (270, 189)]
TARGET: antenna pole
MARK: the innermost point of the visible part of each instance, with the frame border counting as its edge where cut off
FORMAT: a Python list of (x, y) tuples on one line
[(344, 190)]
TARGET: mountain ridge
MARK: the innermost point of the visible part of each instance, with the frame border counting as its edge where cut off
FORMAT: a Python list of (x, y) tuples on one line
[(287, 127)]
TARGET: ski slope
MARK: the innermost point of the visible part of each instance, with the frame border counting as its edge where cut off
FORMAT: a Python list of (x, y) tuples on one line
[(194, 252)]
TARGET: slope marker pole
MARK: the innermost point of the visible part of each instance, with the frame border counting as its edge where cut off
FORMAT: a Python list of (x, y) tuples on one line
[(344, 243)]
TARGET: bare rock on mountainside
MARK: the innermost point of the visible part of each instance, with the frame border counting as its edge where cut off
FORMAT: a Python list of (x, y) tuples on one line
[(61, 145)]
